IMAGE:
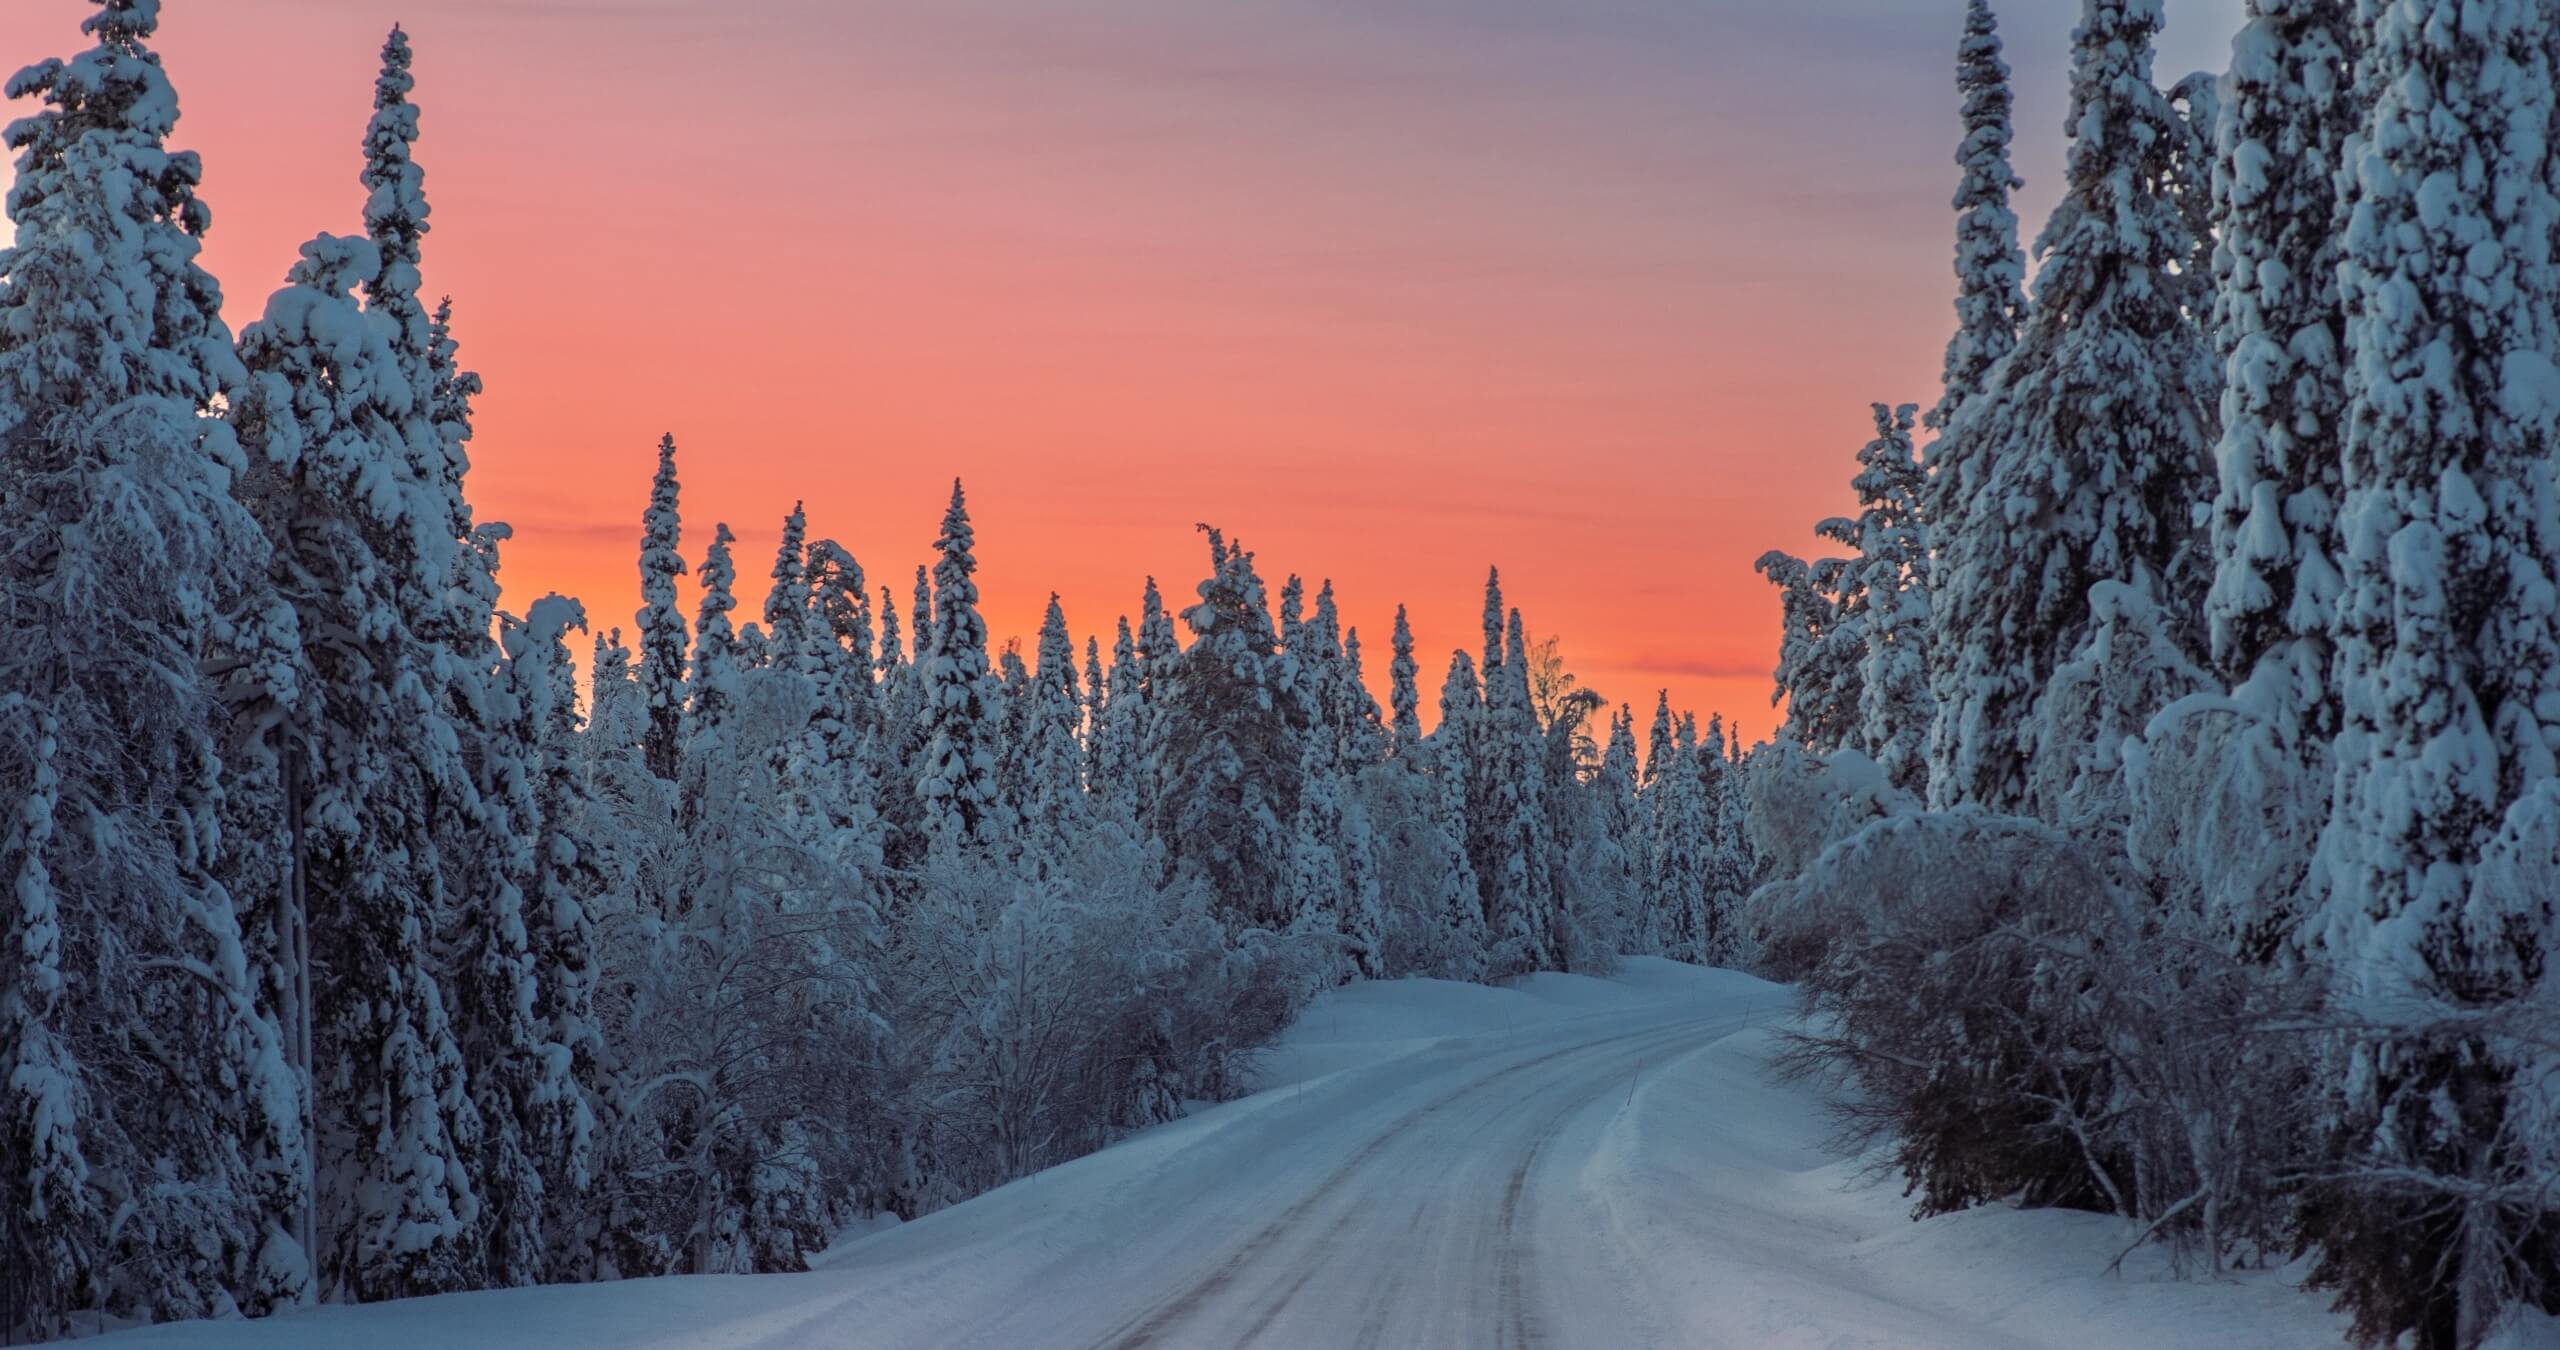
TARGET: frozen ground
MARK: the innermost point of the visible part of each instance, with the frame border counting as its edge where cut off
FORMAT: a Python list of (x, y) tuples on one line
[(1566, 1162)]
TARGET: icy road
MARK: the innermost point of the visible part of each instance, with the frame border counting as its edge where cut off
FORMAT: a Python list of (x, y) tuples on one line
[(1566, 1162)]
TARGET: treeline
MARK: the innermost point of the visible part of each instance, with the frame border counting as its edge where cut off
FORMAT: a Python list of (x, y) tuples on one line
[(350, 954), (2166, 816)]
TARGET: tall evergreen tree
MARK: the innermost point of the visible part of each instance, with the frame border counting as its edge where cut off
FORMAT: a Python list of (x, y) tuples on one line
[(1402, 695), (786, 605), (1510, 822), (166, 1185), (2085, 457), (1892, 578), (1680, 828), (2278, 329), (2437, 858), (1119, 763), (663, 639), (1454, 753), (1227, 764), (1991, 274), (956, 775), (372, 779), (713, 681)]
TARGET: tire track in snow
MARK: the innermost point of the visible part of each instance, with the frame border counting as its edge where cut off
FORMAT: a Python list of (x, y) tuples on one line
[(1149, 1325)]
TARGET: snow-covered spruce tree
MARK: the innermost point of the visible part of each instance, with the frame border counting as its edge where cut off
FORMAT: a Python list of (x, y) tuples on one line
[(395, 220), (1724, 868), (1681, 832), (1226, 751), (2229, 793), (1360, 738), (2449, 668), (168, 1184), (1822, 647), (713, 680), (483, 952), (1991, 274), (371, 773), (1403, 696), (1159, 652), (1315, 901), (1053, 801), (567, 884), (663, 638), (955, 774), (1520, 896), (1622, 819), (2084, 459), (1454, 749), (786, 606), (1096, 706), (836, 638), (825, 783), (1119, 752), (1589, 879), (1892, 566)]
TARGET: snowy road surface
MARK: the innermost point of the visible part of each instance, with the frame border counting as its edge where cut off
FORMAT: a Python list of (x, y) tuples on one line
[(1568, 1162)]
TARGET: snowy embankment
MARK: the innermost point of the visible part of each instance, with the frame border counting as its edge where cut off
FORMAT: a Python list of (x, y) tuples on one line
[(1566, 1161)]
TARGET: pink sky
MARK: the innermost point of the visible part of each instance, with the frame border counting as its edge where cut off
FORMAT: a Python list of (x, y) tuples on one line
[(1597, 290)]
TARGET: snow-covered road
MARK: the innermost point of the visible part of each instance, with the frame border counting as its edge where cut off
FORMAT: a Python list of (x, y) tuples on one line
[(1566, 1162)]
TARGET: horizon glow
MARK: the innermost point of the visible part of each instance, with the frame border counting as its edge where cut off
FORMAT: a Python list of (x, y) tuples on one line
[(1598, 292)]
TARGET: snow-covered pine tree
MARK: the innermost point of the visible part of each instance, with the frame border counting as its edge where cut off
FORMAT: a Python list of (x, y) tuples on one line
[(920, 612), (1991, 274), (1120, 754), (713, 680), (955, 775), (1053, 806), (1097, 705), (1892, 577), (1227, 756), (2084, 459), (1293, 618), (168, 1185), (1159, 654), (395, 219), (1724, 876), (836, 636), (1622, 819), (1512, 845), (1314, 901), (1402, 695), (483, 952), (786, 605), (2438, 855), (1821, 648), (1453, 752), (1588, 878), (826, 784), (1680, 835), (568, 882), (1359, 739), (2263, 757), (2197, 99), (362, 728), (664, 642)]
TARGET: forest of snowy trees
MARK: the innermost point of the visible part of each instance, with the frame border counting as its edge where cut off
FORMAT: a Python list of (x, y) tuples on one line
[(354, 951), (2166, 819)]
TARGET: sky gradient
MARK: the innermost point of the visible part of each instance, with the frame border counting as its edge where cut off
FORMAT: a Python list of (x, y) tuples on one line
[(1597, 290)]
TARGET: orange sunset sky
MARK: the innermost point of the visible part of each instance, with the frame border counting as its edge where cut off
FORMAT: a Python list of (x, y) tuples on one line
[(1598, 290)]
